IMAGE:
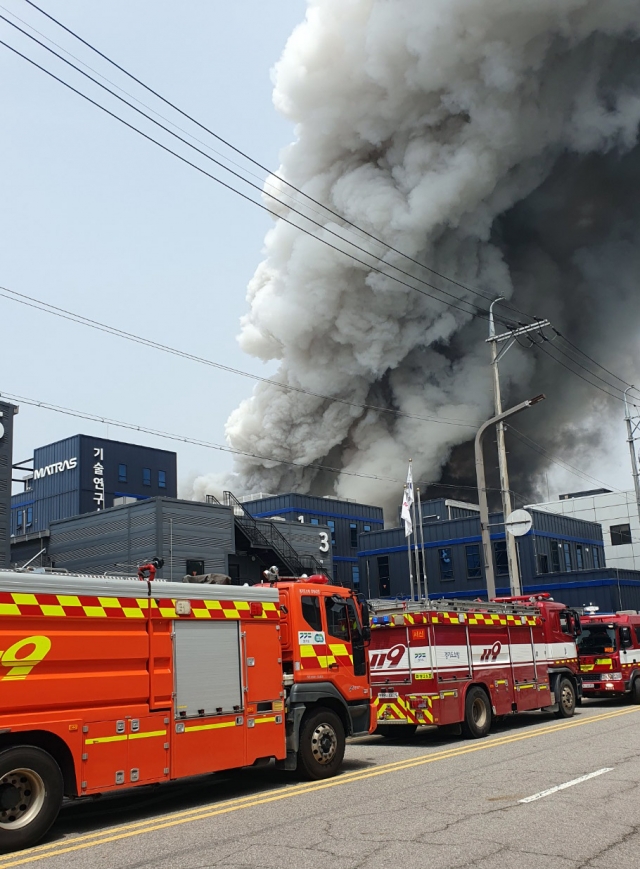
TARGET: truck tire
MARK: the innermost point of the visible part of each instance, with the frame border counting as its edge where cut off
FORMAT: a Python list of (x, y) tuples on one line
[(635, 690), (477, 713), (31, 791), (565, 697), (397, 731), (322, 742)]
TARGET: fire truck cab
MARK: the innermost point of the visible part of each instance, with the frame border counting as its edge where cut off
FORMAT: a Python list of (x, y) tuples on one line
[(609, 650), (111, 683)]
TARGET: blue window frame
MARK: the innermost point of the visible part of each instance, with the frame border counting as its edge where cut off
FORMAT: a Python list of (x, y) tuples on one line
[(332, 528), (314, 521), (20, 518), (353, 531), (162, 479), (596, 557), (579, 557), (366, 527), (122, 473), (566, 552), (474, 568), (146, 476), (445, 557), (355, 574), (29, 516)]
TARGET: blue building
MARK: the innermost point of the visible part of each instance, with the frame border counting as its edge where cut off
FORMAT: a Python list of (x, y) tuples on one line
[(346, 520), (84, 474), (560, 554)]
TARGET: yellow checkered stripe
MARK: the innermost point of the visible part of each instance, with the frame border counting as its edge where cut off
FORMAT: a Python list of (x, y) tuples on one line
[(399, 710), (96, 607), (322, 656)]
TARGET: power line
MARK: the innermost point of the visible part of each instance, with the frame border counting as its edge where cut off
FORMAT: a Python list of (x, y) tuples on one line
[(213, 446), (261, 166), (64, 314), (591, 359), (476, 311)]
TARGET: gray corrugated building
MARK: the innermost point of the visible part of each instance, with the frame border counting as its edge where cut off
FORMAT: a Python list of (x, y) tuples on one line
[(191, 536)]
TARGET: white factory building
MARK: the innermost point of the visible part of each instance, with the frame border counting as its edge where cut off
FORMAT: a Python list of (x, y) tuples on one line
[(617, 512)]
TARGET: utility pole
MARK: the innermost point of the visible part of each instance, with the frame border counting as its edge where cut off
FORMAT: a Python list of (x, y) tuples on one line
[(482, 490), (507, 339), (633, 432)]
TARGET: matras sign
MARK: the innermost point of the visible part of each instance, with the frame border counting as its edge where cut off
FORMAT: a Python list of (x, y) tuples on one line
[(55, 468)]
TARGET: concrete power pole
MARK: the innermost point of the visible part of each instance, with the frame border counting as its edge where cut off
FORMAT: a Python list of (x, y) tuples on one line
[(507, 507), (633, 433), (482, 490)]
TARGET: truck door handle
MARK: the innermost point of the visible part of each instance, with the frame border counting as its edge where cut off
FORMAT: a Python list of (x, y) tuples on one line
[(333, 666)]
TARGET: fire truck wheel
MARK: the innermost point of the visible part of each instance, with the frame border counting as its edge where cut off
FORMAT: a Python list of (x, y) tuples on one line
[(477, 713), (322, 743), (635, 691), (566, 698), (31, 790)]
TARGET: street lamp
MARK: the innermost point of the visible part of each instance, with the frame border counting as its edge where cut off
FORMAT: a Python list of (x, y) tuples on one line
[(482, 489)]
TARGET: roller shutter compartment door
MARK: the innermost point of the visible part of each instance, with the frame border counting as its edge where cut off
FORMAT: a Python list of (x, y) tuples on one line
[(208, 674)]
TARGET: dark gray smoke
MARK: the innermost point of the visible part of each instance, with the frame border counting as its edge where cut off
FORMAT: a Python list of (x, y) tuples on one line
[(494, 141)]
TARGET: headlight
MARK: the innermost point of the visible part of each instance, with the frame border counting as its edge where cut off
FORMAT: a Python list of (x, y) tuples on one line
[(611, 677)]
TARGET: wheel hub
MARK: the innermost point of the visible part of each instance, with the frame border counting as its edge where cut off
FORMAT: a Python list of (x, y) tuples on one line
[(324, 743), (22, 795)]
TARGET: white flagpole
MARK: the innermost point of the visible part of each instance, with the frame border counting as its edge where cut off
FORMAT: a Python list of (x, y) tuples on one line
[(424, 555), (410, 561), (416, 553)]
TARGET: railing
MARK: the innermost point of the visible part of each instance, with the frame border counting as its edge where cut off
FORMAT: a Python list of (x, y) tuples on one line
[(266, 534), (444, 605)]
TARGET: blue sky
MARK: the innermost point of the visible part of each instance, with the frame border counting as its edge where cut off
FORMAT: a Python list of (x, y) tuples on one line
[(99, 221)]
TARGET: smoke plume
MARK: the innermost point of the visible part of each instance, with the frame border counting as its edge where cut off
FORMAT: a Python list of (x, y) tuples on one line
[(495, 142)]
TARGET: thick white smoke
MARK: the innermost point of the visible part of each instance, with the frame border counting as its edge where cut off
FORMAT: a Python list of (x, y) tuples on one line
[(424, 122)]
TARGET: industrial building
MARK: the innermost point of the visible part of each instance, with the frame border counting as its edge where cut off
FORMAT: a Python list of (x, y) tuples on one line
[(191, 537), (344, 519), (7, 412), (83, 474), (617, 512), (561, 554)]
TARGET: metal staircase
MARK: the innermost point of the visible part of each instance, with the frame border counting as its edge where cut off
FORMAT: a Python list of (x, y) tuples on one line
[(265, 535)]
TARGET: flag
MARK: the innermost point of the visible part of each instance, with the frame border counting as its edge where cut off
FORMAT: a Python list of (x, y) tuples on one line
[(406, 504)]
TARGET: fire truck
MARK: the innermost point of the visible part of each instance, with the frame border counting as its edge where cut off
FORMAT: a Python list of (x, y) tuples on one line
[(609, 650), (462, 663), (110, 683)]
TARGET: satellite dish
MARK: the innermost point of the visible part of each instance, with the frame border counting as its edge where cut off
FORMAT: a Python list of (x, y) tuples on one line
[(519, 523)]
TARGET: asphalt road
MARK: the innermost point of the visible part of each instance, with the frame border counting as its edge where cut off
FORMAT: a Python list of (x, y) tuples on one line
[(427, 802)]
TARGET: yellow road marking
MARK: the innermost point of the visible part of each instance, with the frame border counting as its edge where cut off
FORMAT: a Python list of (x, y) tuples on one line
[(136, 829)]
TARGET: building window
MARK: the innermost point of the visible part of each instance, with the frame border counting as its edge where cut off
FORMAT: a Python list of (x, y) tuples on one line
[(162, 479), (355, 575), (555, 557), (445, 557), (620, 534), (20, 518), (566, 551), (384, 583), (366, 528), (315, 521), (579, 557), (543, 563), (500, 554), (29, 516), (146, 476), (122, 473), (332, 528), (474, 569), (353, 530), (596, 557), (195, 567), (311, 611)]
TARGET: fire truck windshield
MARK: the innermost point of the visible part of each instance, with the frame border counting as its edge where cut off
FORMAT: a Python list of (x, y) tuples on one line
[(597, 640)]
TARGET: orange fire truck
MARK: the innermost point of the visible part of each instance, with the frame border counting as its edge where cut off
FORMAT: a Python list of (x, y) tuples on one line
[(609, 649), (453, 662), (108, 683)]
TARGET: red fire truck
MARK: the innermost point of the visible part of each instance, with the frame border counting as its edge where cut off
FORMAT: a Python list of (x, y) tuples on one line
[(609, 649), (109, 683), (454, 662)]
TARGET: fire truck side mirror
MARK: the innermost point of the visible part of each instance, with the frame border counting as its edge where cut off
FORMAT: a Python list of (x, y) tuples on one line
[(625, 637), (366, 621)]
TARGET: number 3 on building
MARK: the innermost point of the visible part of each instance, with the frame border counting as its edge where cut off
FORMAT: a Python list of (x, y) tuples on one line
[(324, 542)]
